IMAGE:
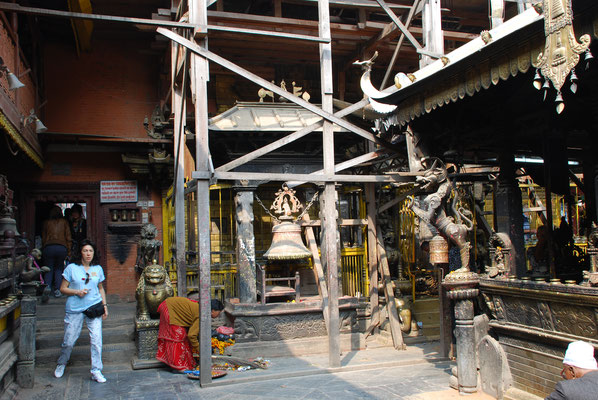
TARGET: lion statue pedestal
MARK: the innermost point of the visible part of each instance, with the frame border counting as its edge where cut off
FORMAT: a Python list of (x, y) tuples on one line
[(153, 288)]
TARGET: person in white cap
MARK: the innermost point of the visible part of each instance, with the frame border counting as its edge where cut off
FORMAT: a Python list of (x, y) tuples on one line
[(580, 373)]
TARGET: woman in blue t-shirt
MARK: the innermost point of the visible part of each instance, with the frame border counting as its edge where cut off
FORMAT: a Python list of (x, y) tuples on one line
[(82, 282)]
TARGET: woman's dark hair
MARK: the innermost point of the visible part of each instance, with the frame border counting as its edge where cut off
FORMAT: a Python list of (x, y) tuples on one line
[(216, 305), (96, 255), (55, 213)]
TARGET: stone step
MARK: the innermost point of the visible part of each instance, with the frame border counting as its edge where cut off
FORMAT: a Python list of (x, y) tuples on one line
[(111, 354), (430, 304), (118, 334), (427, 318), (517, 394)]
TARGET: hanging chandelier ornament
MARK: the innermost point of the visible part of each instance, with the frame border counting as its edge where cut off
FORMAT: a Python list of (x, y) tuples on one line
[(561, 51)]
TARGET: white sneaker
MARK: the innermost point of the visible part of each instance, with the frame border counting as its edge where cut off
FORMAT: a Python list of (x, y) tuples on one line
[(59, 371), (98, 377)]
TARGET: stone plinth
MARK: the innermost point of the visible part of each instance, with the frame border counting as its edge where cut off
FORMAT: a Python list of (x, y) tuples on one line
[(287, 321), (26, 361), (146, 337)]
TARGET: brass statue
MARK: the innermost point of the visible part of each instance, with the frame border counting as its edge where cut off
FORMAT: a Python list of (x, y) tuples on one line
[(148, 248), (501, 256), (32, 271), (435, 179), (153, 288)]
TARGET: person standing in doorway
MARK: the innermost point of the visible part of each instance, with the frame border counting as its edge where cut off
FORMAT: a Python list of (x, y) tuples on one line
[(78, 227), (82, 282), (56, 242)]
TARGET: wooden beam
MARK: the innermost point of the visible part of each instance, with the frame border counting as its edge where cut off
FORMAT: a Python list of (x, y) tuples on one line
[(179, 108), (340, 222), (399, 24), (577, 181), (268, 33), (200, 75), (276, 89), (328, 211), (154, 22), (281, 177), (361, 4), (318, 271), (370, 199), (346, 164), (393, 315), (395, 54), (95, 17), (433, 35), (286, 140)]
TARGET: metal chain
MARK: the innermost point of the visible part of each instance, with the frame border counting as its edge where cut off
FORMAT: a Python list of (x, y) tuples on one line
[(306, 209), (265, 209)]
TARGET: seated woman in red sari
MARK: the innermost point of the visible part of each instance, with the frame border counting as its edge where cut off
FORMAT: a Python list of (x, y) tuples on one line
[(176, 345)]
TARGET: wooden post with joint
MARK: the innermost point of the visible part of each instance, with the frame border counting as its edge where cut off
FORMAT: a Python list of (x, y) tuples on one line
[(199, 75), (329, 214)]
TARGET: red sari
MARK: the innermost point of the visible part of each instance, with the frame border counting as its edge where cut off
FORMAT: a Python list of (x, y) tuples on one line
[(173, 346)]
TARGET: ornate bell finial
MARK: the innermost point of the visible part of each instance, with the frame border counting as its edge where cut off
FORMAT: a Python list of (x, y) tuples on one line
[(287, 243), (588, 57), (538, 80), (573, 80), (560, 104), (561, 50), (545, 88)]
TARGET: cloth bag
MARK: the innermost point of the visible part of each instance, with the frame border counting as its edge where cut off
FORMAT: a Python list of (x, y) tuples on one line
[(97, 310)]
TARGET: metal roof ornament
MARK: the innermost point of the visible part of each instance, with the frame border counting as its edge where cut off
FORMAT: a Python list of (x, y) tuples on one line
[(561, 51)]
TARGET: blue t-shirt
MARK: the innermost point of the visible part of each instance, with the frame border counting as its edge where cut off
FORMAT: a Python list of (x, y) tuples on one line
[(75, 274)]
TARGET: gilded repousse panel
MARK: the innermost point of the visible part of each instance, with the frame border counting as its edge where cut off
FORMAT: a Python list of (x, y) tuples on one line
[(575, 320), (522, 311)]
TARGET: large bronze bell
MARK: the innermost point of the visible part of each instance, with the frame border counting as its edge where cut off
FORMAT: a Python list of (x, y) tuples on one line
[(287, 243), (439, 250)]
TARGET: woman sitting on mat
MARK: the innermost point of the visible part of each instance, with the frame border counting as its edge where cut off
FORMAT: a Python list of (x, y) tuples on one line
[(176, 346)]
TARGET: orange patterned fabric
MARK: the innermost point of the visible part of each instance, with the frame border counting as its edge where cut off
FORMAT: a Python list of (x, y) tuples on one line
[(173, 345)]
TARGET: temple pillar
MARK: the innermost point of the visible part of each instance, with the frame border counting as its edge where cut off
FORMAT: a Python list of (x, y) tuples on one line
[(245, 244), (332, 216), (462, 288), (509, 210), (26, 360)]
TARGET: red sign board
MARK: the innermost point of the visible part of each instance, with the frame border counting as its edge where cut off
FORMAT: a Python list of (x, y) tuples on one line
[(118, 191)]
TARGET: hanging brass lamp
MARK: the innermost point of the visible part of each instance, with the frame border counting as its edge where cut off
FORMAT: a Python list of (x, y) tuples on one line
[(287, 243)]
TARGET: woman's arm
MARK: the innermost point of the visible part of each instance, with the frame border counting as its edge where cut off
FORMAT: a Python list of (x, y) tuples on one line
[(103, 294), (66, 290)]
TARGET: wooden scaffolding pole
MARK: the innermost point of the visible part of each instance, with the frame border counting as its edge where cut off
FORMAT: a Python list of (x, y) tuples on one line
[(370, 200), (329, 211), (200, 75), (179, 107)]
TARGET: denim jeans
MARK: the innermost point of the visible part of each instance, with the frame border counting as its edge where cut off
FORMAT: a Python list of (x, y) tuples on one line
[(53, 256), (73, 322)]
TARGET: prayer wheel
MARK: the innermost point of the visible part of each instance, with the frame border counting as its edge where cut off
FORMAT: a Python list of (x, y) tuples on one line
[(439, 250)]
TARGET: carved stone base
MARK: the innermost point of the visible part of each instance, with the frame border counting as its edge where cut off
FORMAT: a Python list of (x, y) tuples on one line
[(146, 336), (286, 321)]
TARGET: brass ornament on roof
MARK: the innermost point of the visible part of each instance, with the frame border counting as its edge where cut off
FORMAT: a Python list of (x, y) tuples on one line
[(561, 51), (287, 243)]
